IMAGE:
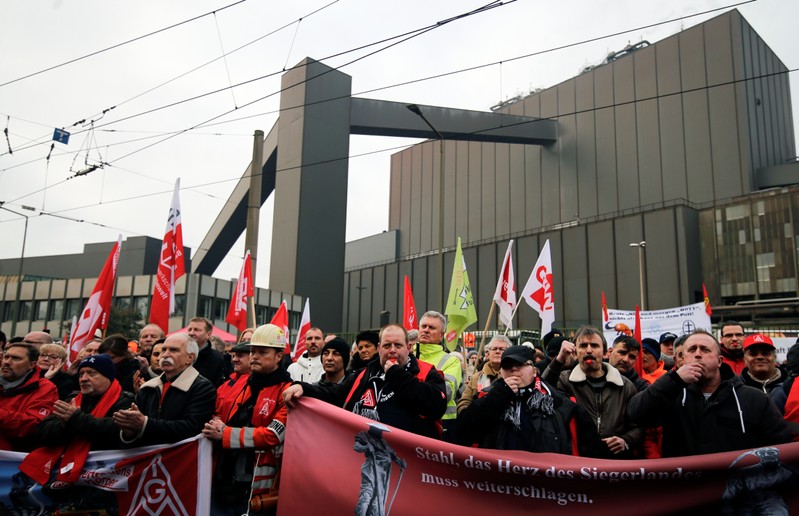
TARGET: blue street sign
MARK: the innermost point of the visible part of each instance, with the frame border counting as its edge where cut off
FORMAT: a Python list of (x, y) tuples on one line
[(61, 136)]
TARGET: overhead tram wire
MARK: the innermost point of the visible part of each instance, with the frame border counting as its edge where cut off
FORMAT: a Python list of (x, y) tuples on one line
[(118, 104), (395, 85), (206, 124), (404, 146), (91, 54)]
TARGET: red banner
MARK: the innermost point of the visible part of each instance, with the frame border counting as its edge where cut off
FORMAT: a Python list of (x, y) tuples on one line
[(402, 473), (171, 266), (237, 311), (95, 314), (169, 480), (409, 321)]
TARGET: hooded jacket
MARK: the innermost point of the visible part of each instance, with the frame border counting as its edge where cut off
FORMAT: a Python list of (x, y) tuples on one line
[(734, 417), (307, 369), (22, 408)]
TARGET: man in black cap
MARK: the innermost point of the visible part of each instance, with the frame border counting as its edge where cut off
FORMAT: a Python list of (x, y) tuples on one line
[(230, 389), (667, 349), (519, 411), (335, 357)]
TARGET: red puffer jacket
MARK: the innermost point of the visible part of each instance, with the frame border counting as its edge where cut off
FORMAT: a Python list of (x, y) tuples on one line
[(22, 409)]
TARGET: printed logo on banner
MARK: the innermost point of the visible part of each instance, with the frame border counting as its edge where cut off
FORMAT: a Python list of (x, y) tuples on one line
[(155, 493), (688, 327)]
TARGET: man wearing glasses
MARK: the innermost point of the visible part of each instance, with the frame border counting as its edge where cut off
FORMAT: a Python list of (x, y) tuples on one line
[(732, 345), (488, 375), (519, 411)]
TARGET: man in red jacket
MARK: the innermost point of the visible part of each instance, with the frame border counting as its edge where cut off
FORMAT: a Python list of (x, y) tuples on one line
[(25, 398)]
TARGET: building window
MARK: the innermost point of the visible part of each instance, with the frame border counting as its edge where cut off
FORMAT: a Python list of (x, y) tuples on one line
[(180, 305), (123, 303), (41, 311), (74, 307), (141, 304), (205, 307), (25, 309), (56, 310), (220, 309)]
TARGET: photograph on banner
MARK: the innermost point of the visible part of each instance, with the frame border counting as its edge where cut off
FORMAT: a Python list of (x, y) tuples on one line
[(381, 470), (654, 323)]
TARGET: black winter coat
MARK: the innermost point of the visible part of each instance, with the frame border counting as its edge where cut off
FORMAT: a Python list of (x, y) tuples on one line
[(693, 426)]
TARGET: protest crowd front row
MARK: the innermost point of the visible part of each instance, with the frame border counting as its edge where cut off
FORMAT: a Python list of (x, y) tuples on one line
[(572, 395)]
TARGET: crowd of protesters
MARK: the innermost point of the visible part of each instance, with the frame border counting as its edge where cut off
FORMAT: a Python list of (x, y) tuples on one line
[(693, 394)]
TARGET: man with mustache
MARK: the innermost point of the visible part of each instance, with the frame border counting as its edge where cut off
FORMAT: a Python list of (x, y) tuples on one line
[(603, 428), (173, 406)]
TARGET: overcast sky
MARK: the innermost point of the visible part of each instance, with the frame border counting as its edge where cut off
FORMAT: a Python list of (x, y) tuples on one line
[(131, 194)]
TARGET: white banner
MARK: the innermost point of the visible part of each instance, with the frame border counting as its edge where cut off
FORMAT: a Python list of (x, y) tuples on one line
[(654, 323)]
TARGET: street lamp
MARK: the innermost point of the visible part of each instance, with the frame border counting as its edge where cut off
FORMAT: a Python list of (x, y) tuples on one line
[(21, 262), (413, 108), (640, 245)]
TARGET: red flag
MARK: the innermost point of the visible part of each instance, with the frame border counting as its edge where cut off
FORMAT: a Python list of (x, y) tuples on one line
[(637, 335), (281, 319), (409, 320), (305, 325), (539, 291), (505, 293), (237, 312), (708, 310), (605, 316), (170, 266), (95, 313)]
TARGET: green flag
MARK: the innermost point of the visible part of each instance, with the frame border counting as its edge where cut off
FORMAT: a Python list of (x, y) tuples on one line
[(460, 304)]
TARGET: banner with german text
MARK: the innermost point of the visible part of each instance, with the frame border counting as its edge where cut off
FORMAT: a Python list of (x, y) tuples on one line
[(654, 323), (168, 480), (365, 467)]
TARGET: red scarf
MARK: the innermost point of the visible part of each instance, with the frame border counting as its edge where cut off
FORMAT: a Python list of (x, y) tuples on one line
[(38, 463)]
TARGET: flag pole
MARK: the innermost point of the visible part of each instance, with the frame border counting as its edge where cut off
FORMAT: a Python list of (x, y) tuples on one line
[(488, 322), (252, 311)]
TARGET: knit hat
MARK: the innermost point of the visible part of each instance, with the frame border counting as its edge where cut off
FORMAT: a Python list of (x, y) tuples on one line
[(340, 345), (652, 346), (554, 332), (553, 347), (268, 336), (100, 363)]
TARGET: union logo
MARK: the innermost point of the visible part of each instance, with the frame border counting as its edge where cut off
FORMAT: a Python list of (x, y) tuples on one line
[(155, 493)]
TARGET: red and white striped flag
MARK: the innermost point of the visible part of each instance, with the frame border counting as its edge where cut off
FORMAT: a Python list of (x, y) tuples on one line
[(95, 314), (237, 312), (505, 293), (170, 266), (409, 320), (539, 291), (305, 325), (281, 320)]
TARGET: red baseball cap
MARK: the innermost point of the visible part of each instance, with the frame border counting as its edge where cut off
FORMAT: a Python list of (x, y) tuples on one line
[(758, 339)]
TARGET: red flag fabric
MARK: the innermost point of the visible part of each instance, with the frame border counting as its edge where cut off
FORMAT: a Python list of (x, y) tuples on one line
[(708, 310), (95, 314), (505, 293), (539, 291), (171, 266), (305, 325), (409, 320), (605, 317), (281, 319), (637, 335), (237, 311)]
